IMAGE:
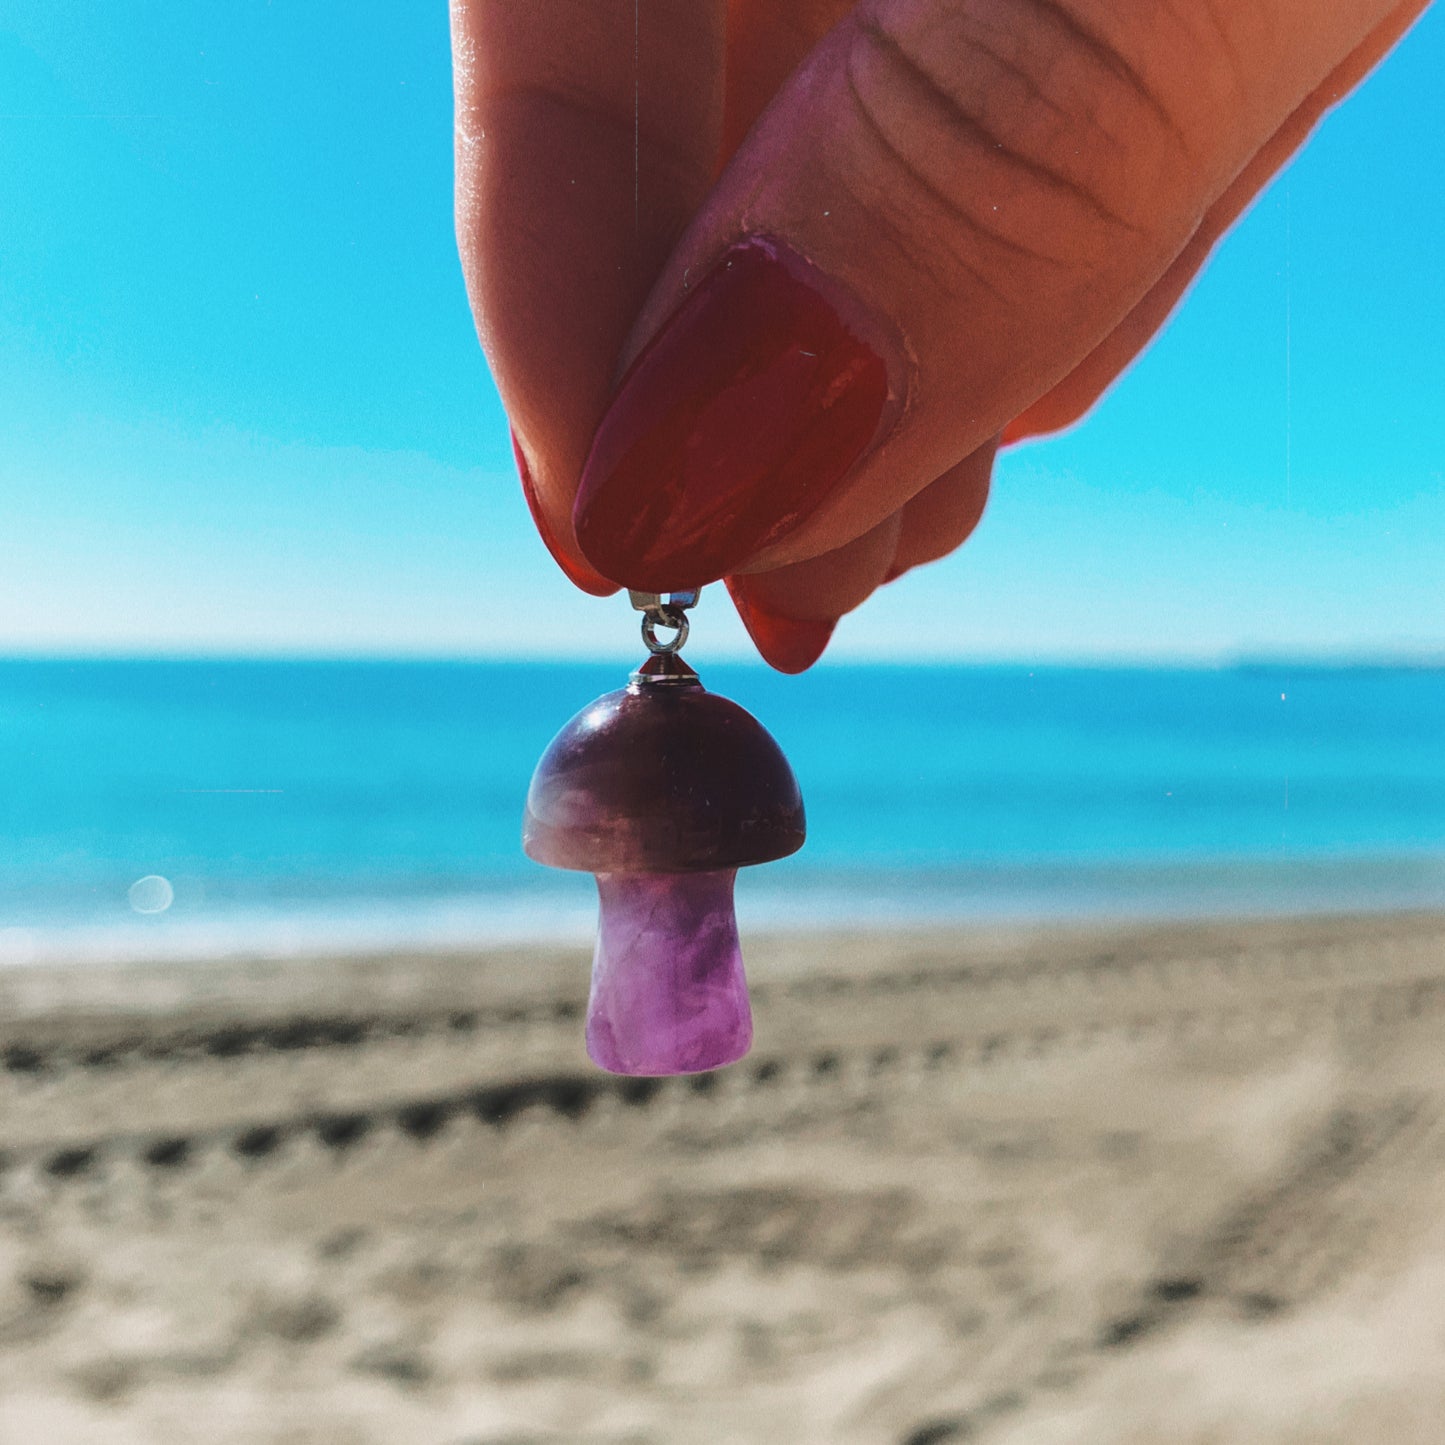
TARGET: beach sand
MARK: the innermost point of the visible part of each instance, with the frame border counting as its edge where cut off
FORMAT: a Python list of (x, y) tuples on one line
[(1178, 1183)]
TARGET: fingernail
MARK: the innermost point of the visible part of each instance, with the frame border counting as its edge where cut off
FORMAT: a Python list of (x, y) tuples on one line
[(789, 644), (578, 573), (734, 424)]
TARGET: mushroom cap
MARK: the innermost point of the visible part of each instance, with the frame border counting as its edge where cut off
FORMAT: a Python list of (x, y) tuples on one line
[(662, 777)]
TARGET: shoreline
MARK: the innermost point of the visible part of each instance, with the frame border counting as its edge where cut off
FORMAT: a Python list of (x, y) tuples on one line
[(236, 975), (561, 911)]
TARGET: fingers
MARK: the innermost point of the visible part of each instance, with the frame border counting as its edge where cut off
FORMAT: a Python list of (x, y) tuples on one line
[(944, 514), (1019, 173), (586, 135), (1077, 392), (790, 612), (766, 40)]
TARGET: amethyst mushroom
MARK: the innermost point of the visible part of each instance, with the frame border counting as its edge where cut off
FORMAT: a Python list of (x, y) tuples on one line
[(664, 790)]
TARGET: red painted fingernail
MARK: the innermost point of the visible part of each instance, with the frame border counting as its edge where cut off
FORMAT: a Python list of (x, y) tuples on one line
[(578, 573), (733, 425), (789, 644)]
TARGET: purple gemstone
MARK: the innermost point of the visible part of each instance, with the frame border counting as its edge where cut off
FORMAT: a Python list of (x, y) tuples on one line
[(668, 992), (662, 777), (664, 790)]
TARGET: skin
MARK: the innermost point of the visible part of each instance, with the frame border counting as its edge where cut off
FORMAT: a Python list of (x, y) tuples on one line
[(610, 150)]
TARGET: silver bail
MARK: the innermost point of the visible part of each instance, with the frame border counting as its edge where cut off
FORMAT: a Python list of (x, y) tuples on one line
[(670, 613)]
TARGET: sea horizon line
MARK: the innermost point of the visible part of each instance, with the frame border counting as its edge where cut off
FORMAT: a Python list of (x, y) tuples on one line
[(1404, 660)]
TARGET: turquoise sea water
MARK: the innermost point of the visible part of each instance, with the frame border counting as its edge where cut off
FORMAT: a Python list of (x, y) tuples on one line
[(296, 805)]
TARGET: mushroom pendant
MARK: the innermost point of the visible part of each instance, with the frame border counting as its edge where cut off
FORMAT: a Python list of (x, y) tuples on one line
[(664, 790)]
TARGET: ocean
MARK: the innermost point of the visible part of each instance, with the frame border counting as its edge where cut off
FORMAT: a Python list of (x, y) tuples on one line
[(153, 809)]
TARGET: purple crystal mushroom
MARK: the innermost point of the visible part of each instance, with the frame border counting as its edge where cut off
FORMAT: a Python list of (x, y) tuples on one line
[(664, 790)]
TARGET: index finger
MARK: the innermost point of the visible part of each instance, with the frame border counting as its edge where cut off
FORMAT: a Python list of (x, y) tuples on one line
[(587, 133)]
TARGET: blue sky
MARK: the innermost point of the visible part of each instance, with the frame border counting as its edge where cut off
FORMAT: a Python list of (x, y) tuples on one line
[(242, 408)]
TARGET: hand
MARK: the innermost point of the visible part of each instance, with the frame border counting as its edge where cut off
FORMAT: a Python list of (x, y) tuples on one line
[(764, 283)]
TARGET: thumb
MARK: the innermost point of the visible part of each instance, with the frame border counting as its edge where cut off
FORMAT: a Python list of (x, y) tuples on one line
[(947, 207)]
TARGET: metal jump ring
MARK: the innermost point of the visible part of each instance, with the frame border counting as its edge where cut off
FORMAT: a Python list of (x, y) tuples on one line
[(665, 616)]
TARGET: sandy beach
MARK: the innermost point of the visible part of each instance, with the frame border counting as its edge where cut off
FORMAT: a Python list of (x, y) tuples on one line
[(1173, 1183)]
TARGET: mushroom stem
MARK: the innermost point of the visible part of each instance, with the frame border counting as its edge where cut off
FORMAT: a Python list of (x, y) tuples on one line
[(668, 991)]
